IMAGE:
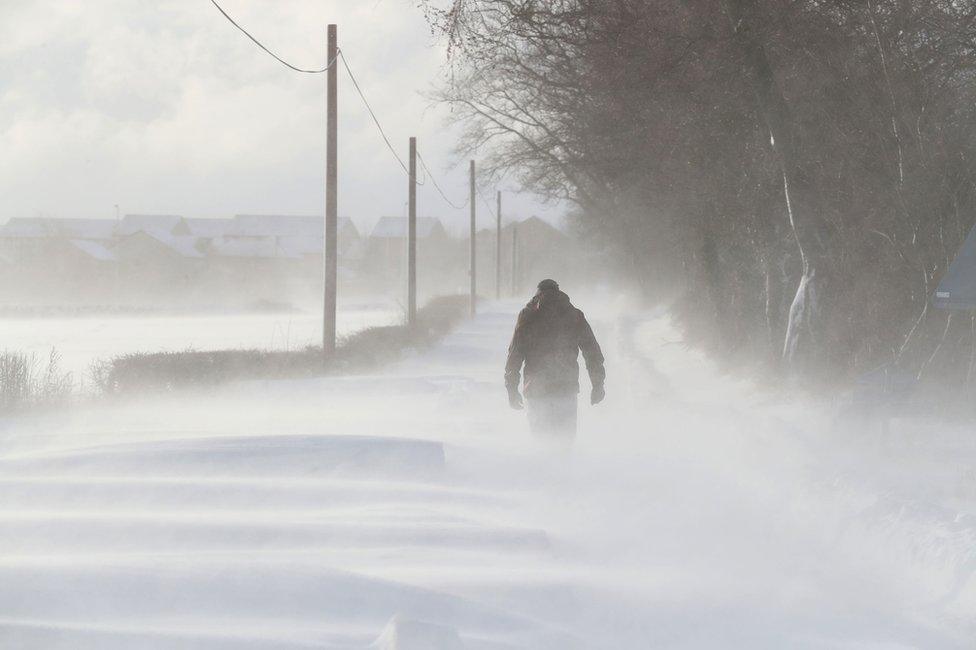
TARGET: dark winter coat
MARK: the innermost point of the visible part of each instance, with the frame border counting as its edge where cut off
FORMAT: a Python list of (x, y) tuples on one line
[(549, 335)]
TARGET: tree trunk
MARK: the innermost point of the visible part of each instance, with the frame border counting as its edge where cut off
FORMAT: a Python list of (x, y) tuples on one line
[(804, 327)]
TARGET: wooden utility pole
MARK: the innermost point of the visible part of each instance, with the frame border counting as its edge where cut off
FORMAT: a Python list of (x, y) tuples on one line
[(118, 232), (412, 239), (498, 248), (474, 267), (330, 254), (515, 269)]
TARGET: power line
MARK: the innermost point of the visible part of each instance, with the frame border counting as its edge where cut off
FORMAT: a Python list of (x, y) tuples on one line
[(259, 44), (438, 187), (362, 96), (376, 120), (491, 210), (426, 175)]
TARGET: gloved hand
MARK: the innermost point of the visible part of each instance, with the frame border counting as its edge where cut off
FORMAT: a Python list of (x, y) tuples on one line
[(597, 394), (515, 399)]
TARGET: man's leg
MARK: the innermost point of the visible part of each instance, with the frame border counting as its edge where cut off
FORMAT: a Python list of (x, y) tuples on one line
[(564, 415), (537, 410), (553, 415)]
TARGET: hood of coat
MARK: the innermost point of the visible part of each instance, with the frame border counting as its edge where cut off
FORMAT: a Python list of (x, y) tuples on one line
[(546, 299)]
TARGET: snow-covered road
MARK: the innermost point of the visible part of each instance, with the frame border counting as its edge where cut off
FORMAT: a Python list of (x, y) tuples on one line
[(412, 510)]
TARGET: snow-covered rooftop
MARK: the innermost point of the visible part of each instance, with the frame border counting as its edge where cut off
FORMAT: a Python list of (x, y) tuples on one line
[(396, 227), (132, 223), (302, 245), (284, 225), (31, 228), (94, 249), (210, 227), (254, 247), (182, 245)]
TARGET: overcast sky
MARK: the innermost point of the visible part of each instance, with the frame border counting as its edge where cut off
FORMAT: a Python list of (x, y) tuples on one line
[(165, 107)]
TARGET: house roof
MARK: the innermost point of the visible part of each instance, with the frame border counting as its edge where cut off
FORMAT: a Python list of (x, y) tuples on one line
[(537, 224), (21, 228), (302, 245), (132, 223), (182, 245), (87, 228), (210, 227), (284, 225), (396, 227), (253, 247), (94, 249), (31, 228)]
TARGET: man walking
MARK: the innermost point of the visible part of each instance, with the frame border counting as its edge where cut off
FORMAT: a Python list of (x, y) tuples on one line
[(549, 335)]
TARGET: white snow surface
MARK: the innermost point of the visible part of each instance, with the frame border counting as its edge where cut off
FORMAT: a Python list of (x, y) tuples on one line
[(81, 341), (412, 510)]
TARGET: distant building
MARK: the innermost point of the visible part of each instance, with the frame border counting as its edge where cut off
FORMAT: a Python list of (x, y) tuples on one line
[(210, 228), (388, 239), (254, 269), (172, 224), (48, 227), (163, 259), (77, 271), (543, 251), (55, 259), (279, 225), (303, 234), (287, 238), (157, 265), (23, 238), (385, 255), (98, 251), (395, 229)]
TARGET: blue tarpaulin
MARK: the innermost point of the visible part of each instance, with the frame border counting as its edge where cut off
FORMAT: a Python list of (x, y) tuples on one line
[(957, 290)]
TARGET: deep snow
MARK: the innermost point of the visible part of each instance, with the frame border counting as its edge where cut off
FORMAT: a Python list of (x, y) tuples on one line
[(411, 509)]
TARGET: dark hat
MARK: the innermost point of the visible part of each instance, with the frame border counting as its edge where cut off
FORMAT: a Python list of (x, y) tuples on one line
[(548, 285)]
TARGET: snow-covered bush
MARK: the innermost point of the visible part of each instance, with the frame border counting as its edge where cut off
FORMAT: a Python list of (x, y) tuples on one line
[(192, 368), (25, 383)]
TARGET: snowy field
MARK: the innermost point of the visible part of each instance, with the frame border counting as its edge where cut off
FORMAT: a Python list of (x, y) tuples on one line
[(411, 510), (80, 341)]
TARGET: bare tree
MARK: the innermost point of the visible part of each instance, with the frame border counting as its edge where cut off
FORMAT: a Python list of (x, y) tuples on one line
[(797, 173)]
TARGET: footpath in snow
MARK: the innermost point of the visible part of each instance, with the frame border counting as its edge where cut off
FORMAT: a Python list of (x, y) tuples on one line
[(411, 510)]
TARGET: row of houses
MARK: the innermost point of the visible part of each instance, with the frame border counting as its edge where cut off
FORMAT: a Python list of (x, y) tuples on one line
[(249, 258), (243, 236)]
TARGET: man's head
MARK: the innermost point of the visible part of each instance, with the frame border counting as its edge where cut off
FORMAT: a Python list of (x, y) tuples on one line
[(548, 285), (549, 296)]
